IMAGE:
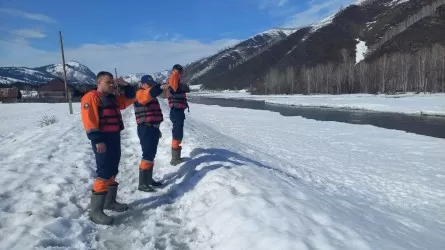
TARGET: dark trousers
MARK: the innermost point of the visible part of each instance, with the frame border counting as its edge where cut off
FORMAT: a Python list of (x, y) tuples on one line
[(149, 140), (107, 163), (177, 117)]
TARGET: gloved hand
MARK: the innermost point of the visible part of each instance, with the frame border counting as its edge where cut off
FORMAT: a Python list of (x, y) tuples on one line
[(184, 87), (155, 90)]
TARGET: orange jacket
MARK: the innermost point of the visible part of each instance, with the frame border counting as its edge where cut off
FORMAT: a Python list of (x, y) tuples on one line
[(173, 80), (143, 96), (177, 97), (90, 103)]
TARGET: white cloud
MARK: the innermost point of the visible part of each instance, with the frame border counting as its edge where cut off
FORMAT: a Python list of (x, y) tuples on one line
[(32, 16), (317, 10), (28, 33), (131, 57), (264, 4), (282, 2)]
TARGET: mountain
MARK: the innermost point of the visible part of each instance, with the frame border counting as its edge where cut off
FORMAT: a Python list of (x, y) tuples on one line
[(368, 46), (76, 74), (133, 78), (161, 76), (204, 69), (10, 75), (158, 76)]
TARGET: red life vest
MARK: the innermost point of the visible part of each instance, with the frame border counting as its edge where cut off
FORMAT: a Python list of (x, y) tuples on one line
[(110, 117), (177, 99), (148, 113)]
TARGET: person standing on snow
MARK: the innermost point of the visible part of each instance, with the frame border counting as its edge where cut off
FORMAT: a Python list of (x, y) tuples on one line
[(177, 101), (102, 121), (148, 118)]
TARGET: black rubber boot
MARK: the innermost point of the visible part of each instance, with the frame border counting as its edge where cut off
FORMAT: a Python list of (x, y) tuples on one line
[(97, 214), (150, 179), (143, 181), (176, 157), (110, 200)]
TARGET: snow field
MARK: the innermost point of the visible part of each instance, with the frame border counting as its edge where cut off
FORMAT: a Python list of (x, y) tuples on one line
[(254, 180)]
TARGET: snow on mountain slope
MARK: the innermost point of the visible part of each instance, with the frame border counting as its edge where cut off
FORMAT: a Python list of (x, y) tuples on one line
[(7, 80), (288, 32), (75, 72), (275, 33), (384, 26), (161, 76), (133, 78), (198, 71), (10, 75), (158, 76), (360, 51), (395, 2), (326, 21), (302, 184)]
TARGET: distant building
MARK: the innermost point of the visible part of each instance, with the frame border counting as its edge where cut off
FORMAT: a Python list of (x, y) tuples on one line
[(52, 89), (9, 94), (119, 81)]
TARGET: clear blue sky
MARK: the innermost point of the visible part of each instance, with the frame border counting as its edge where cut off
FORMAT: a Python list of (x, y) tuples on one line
[(102, 24)]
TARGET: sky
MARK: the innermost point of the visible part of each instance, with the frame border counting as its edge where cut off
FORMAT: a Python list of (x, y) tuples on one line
[(141, 36)]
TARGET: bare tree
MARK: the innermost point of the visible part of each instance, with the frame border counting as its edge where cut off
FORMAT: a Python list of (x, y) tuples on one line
[(290, 78), (423, 70)]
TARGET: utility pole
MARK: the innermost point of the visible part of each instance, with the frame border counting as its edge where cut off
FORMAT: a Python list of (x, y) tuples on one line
[(117, 86), (67, 91)]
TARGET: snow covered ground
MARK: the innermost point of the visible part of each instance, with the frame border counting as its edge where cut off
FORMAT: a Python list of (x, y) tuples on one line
[(254, 180), (410, 103)]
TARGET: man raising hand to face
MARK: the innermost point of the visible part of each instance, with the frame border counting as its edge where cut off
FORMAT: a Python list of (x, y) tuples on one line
[(102, 121)]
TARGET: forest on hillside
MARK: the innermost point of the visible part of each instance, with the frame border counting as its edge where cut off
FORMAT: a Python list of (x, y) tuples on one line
[(421, 71)]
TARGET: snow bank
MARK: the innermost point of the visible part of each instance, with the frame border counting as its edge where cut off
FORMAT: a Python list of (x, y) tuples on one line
[(16, 119), (424, 104), (254, 180)]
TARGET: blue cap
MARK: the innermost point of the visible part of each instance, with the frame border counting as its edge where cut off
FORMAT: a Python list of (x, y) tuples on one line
[(147, 79)]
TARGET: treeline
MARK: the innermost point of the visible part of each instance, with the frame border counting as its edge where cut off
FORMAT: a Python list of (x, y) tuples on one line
[(427, 10), (422, 71)]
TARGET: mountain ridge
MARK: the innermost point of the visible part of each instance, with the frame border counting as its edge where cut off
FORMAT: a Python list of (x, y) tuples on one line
[(325, 53), (76, 72)]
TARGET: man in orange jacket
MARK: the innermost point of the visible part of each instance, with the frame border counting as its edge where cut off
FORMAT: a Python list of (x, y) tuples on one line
[(102, 121), (177, 101), (148, 118)]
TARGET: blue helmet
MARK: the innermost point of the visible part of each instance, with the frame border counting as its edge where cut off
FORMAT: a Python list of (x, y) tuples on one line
[(147, 79), (179, 68)]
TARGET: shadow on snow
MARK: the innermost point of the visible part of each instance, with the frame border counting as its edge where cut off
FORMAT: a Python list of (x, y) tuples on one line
[(215, 157)]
